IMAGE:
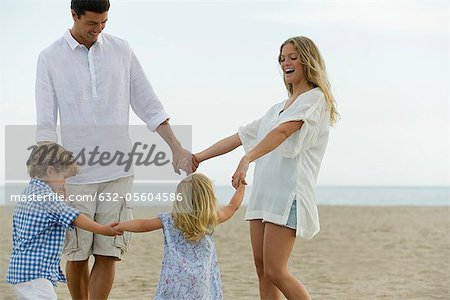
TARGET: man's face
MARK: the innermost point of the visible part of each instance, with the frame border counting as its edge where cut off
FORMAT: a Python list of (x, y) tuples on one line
[(87, 27)]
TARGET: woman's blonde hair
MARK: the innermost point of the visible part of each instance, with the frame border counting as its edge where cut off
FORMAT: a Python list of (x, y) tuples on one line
[(314, 69), (196, 213)]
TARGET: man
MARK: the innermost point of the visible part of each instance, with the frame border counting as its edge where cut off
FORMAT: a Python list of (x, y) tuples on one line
[(91, 79)]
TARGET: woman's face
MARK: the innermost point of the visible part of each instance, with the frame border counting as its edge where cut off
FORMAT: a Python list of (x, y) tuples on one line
[(290, 64)]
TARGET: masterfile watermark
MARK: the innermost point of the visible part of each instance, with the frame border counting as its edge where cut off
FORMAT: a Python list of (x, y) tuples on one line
[(102, 197), (100, 150), (104, 158)]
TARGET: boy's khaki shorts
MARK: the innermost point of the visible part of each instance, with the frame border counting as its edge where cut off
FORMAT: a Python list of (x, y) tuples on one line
[(104, 203)]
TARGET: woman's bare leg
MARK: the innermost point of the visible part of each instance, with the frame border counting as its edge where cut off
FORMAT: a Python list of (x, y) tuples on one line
[(278, 244), (267, 290)]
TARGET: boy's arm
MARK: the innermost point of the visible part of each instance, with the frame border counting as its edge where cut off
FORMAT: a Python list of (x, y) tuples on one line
[(140, 225), (228, 211), (85, 223)]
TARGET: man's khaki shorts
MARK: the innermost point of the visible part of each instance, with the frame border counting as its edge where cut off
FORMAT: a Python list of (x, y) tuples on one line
[(104, 203)]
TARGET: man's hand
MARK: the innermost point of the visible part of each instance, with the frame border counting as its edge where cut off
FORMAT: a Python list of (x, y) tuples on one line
[(184, 160)]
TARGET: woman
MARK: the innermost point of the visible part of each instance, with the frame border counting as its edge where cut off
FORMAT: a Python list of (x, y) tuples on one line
[(287, 144)]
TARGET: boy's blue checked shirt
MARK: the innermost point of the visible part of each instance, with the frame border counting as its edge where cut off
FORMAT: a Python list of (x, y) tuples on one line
[(39, 227)]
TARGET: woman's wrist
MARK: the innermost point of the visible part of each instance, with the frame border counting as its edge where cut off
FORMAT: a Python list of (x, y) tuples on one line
[(246, 159), (198, 157)]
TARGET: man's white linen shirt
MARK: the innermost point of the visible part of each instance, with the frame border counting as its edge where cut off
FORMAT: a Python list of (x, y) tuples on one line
[(91, 89)]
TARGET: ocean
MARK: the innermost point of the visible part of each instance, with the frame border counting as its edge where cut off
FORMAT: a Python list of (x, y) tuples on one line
[(163, 194)]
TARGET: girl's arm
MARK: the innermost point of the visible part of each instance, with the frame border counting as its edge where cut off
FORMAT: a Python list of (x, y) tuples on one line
[(85, 223), (228, 211), (221, 147), (140, 225), (271, 141)]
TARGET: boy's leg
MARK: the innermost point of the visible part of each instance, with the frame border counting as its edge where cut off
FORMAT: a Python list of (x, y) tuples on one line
[(107, 250), (37, 289), (78, 242)]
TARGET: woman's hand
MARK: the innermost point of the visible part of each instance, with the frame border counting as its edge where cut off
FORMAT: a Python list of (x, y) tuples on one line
[(241, 172), (195, 162)]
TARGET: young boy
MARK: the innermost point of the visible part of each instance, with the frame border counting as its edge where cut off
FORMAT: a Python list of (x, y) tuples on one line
[(40, 222)]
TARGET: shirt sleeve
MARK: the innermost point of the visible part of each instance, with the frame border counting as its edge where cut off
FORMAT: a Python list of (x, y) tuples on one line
[(46, 105), (310, 113), (144, 101), (165, 220), (248, 134), (60, 213)]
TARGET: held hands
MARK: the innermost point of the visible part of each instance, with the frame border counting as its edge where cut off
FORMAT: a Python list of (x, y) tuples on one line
[(242, 184), (112, 229), (118, 228), (184, 160), (240, 173)]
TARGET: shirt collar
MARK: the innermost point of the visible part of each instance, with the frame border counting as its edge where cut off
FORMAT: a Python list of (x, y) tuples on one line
[(40, 183), (73, 43), (99, 39), (71, 40)]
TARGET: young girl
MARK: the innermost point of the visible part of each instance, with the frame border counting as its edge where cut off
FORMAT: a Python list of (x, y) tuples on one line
[(190, 268)]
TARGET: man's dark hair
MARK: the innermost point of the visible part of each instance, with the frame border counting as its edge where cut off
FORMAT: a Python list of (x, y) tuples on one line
[(97, 6)]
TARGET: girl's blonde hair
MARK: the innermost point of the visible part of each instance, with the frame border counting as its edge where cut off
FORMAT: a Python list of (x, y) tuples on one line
[(196, 213), (314, 69)]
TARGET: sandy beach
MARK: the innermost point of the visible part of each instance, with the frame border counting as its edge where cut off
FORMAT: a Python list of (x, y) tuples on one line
[(360, 253)]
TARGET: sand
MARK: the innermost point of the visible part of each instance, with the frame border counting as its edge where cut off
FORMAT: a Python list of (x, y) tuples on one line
[(360, 253)]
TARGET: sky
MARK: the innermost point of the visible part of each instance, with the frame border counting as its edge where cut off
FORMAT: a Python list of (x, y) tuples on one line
[(214, 66)]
